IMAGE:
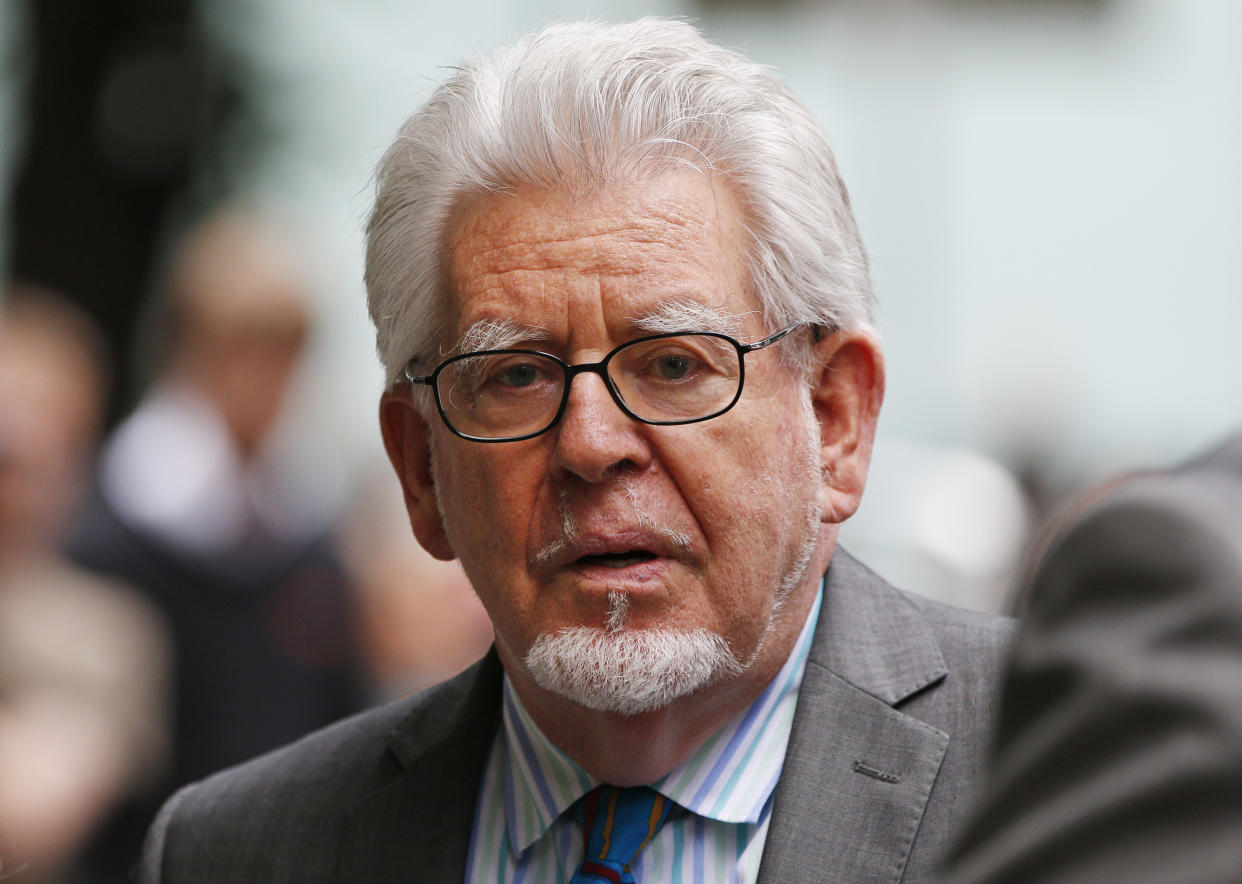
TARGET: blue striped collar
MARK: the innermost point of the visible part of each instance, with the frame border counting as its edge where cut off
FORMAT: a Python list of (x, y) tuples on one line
[(729, 778)]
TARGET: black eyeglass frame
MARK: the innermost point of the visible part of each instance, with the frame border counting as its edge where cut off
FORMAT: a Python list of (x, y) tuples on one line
[(600, 368)]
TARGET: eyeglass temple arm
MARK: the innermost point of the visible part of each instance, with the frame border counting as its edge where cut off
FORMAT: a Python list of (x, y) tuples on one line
[(407, 373), (819, 329)]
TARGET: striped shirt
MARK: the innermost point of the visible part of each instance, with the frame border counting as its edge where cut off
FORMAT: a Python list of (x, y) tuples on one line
[(522, 833)]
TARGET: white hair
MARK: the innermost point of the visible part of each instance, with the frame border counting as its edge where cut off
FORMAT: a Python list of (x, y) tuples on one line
[(629, 671), (587, 104)]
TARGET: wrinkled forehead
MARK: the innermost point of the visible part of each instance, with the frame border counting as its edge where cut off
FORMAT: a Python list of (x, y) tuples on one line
[(666, 254)]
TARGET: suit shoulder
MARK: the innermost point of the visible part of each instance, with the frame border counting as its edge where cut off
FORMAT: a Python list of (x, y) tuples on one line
[(343, 759), (278, 817), (964, 632), (237, 825), (975, 647), (302, 787), (891, 643)]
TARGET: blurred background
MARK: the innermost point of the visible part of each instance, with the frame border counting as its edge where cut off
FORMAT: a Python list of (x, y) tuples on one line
[(1051, 192)]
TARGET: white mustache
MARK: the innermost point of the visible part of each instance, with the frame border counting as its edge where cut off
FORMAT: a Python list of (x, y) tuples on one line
[(568, 532)]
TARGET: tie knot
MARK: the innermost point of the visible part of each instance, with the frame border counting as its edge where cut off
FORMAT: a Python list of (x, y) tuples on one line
[(616, 824)]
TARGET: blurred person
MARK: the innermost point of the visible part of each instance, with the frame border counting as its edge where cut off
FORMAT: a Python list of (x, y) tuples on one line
[(420, 621), (83, 661), (126, 111), (1119, 752), (199, 505), (625, 316)]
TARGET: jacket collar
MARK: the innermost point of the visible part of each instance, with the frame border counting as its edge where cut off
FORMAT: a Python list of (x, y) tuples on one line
[(416, 825), (858, 772), (872, 637)]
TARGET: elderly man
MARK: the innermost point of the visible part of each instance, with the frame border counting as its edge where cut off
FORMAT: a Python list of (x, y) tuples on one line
[(624, 310)]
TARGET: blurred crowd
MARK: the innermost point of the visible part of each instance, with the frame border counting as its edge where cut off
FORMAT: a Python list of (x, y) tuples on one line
[(178, 603)]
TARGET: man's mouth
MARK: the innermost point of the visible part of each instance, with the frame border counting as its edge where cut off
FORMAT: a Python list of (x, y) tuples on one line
[(618, 559), (628, 555)]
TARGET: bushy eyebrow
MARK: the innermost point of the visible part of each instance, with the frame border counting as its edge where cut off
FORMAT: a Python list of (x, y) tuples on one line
[(677, 315), (684, 314), (498, 334)]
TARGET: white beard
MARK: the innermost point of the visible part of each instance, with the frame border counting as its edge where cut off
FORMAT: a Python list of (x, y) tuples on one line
[(629, 671)]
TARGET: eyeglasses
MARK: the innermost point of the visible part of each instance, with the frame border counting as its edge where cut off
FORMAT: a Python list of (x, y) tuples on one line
[(668, 379)]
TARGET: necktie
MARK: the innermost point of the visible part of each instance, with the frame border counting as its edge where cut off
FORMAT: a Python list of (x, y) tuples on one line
[(616, 825)]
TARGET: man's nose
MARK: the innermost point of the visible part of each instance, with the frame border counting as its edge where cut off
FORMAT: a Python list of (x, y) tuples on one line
[(595, 438)]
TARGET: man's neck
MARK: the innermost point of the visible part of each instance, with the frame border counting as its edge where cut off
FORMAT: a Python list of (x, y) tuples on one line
[(630, 750)]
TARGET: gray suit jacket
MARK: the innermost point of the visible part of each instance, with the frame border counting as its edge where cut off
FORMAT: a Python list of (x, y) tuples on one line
[(1119, 751), (888, 742)]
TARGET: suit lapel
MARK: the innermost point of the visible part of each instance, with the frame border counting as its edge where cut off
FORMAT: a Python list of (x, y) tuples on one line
[(416, 825), (857, 775), (858, 772)]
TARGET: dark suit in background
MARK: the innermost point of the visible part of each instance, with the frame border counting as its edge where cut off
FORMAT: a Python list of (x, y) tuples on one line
[(1119, 755), (196, 507), (263, 654)]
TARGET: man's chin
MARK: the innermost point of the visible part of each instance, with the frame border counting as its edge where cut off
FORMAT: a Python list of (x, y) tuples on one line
[(629, 671)]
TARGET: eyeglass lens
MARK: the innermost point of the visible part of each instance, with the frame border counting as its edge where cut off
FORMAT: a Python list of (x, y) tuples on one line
[(663, 380)]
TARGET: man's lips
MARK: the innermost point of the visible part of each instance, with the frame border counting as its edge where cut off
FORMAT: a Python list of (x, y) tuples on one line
[(618, 560), (613, 550)]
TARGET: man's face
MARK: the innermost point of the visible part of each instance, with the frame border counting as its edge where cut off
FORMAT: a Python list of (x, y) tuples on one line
[(682, 528)]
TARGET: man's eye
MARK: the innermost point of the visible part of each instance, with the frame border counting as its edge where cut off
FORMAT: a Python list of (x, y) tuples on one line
[(672, 366), (516, 375)]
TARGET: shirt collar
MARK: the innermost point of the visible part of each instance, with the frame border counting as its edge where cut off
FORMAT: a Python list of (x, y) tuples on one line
[(729, 778)]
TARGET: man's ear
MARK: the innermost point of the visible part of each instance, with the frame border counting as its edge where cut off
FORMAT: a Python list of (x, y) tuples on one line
[(847, 388), (407, 439)]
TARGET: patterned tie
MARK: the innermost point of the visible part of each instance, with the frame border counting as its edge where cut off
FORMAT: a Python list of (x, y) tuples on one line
[(616, 825)]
